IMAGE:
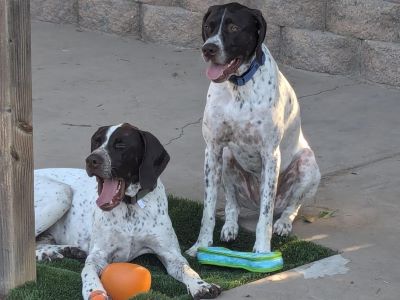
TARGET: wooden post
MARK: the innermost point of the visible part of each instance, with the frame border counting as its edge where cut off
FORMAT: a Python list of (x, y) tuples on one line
[(17, 240)]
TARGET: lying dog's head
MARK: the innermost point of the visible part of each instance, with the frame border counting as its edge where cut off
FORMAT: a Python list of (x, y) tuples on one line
[(124, 160), (232, 34)]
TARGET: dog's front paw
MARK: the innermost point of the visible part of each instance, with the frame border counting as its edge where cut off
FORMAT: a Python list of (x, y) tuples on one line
[(192, 251), (262, 246), (283, 226), (207, 291), (229, 231), (99, 295)]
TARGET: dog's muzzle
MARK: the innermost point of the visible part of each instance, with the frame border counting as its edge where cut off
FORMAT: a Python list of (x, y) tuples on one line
[(209, 50)]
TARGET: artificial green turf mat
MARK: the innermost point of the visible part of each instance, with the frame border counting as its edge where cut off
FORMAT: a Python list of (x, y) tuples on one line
[(61, 279)]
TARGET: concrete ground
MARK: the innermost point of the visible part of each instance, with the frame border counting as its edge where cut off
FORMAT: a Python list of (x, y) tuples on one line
[(82, 80)]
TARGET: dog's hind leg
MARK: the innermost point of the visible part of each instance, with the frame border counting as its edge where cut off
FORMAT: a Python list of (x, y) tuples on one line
[(296, 185), (48, 252), (52, 200)]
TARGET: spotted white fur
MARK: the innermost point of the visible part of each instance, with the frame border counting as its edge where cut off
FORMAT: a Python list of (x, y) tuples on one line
[(253, 136), (65, 210)]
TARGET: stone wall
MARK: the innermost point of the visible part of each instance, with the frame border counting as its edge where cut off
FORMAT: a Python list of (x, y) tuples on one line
[(359, 37)]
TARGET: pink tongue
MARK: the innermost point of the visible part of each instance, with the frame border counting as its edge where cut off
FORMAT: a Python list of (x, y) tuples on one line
[(215, 71), (110, 188)]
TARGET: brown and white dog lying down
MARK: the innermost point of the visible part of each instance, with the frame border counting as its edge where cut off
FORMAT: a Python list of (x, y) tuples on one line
[(255, 148), (119, 213)]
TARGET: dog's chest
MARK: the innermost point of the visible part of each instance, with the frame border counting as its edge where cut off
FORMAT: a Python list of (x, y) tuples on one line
[(242, 121), (130, 230), (121, 232), (124, 220)]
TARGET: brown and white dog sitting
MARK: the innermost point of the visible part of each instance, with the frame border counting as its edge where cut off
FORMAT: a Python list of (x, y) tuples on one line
[(252, 128)]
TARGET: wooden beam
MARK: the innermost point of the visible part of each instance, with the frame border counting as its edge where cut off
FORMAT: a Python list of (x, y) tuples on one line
[(17, 240)]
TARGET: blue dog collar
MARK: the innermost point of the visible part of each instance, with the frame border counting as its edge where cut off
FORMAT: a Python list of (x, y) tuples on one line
[(246, 76)]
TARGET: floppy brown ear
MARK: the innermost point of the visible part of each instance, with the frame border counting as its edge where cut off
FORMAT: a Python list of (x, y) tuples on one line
[(210, 9), (155, 159), (262, 30)]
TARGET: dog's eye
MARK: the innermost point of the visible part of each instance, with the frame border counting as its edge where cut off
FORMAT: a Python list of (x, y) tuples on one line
[(233, 28), (119, 146)]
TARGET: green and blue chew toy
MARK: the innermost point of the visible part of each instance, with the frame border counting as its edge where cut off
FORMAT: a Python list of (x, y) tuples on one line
[(254, 262)]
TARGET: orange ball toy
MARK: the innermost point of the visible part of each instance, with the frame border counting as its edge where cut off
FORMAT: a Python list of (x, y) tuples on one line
[(124, 280)]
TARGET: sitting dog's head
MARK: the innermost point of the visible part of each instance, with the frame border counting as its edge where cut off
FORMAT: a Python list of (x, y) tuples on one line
[(232, 35), (124, 160)]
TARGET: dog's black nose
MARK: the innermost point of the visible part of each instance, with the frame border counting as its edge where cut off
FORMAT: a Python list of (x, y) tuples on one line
[(93, 161), (209, 50)]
